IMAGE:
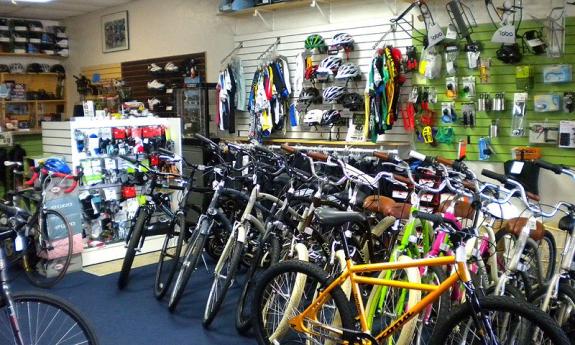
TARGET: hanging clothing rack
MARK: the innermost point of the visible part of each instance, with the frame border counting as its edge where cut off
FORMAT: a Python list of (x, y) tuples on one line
[(238, 47), (270, 48), (391, 30)]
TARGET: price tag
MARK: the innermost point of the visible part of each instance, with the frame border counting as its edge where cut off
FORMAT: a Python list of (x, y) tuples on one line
[(19, 243), (517, 167), (505, 35)]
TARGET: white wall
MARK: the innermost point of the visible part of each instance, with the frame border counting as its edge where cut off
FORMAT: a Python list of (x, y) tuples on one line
[(157, 28)]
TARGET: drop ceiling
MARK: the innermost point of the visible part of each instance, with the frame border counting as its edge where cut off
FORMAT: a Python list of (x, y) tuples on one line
[(56, 9)]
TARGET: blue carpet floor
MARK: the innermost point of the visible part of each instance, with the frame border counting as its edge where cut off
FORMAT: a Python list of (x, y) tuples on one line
[(134, 316)]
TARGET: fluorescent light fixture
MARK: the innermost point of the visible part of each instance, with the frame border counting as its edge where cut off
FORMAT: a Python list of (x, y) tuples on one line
[(15, 2)]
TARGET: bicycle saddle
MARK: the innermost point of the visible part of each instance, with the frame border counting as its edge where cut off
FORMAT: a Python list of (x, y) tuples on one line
[(566, 223), (331, 216), (387, 206), (463, 209), (515, 225)]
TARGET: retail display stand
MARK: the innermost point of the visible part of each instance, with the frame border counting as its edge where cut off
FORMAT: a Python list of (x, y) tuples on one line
[(60, 139)]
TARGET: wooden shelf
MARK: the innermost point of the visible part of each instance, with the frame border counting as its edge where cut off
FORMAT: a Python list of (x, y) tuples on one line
[(18, 102), (34, 131), (57, 101), (42, 56)]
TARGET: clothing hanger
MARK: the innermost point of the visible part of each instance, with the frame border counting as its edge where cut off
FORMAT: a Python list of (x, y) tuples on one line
[(230, 54)]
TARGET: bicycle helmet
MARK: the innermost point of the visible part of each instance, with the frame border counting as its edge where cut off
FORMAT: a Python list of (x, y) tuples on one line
[(315, 42), (353, 101), (4, 68), (57, 69), (16, 68), (348, 71), (313, 117), (309, 94), (333, 94), (45, 67), (57, 165), (330, 64), (33, 68), (330, 117), (342, 41)]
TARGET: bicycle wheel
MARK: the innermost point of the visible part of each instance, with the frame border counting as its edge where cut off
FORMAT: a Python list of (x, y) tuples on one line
[(49, 249), (529, 274), (434, 313), (224, 274), (548, 255), (45, 320), (275, 303), (512, 322), (170, 255), (386, 304), (135, 239), (271, 248), (561, 309), (189, 264)]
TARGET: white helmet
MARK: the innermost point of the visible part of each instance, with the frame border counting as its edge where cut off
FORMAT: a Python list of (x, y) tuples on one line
[(333, 94), (342, 40), (348, 71), (313, 117), (330, 63), (16, 68)]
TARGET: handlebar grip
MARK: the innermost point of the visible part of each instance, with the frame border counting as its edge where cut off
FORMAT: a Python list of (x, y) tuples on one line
[(400, 178), (493, 175), (205, 140), (382, 155), (263, 149), (533, 196), (434, 218), (288, 148), (469, 185), (318, 156), (166, 152), (444, 161), (556, 168)]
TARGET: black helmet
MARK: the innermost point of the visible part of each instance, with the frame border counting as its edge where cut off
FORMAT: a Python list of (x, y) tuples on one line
[(4, 68), (57, 69), (330, 117), (34, 68), (310, 94), (509, 53), (353, 101)]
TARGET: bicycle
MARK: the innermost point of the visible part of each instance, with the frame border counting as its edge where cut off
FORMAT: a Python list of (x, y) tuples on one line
[(35, 318), (330, 318), (49, 240)]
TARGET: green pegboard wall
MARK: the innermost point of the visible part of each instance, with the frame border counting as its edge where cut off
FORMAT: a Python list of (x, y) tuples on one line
[(502, 79)]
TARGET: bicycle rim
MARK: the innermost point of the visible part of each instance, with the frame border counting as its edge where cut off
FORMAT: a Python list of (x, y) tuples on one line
[(170, 256), (50, 247), (46, 320)]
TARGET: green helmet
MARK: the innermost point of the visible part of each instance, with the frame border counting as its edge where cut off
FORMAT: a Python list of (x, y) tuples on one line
[(315, 42)]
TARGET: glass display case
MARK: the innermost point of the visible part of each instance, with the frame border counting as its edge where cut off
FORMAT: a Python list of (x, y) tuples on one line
[(193, 107)]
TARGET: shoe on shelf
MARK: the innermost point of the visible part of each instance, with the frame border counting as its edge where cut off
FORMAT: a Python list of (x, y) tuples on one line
[(171, 67), (153, 103), (153, 68), (156, 85), (19, 38), (4, 37), (62, 43)]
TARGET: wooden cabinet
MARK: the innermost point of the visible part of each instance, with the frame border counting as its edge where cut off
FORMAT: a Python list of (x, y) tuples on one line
[(45, 100)]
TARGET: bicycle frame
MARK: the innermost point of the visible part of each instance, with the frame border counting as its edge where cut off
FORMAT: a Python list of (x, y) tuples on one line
[(6, 296), (352, 272)]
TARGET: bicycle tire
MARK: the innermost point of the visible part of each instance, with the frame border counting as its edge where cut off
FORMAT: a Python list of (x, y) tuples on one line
[(243, 310), (37, 263), (229, 262), (163, 278), (566, 295), (492, 304), (551, 253), (189, 264), (44, 302), (135, 239), (299, 268)]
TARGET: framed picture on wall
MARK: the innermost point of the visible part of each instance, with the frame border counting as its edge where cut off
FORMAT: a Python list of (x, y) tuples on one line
[(115, 32)]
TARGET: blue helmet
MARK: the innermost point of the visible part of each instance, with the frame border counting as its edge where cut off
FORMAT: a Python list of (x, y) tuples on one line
[(57, 165)]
